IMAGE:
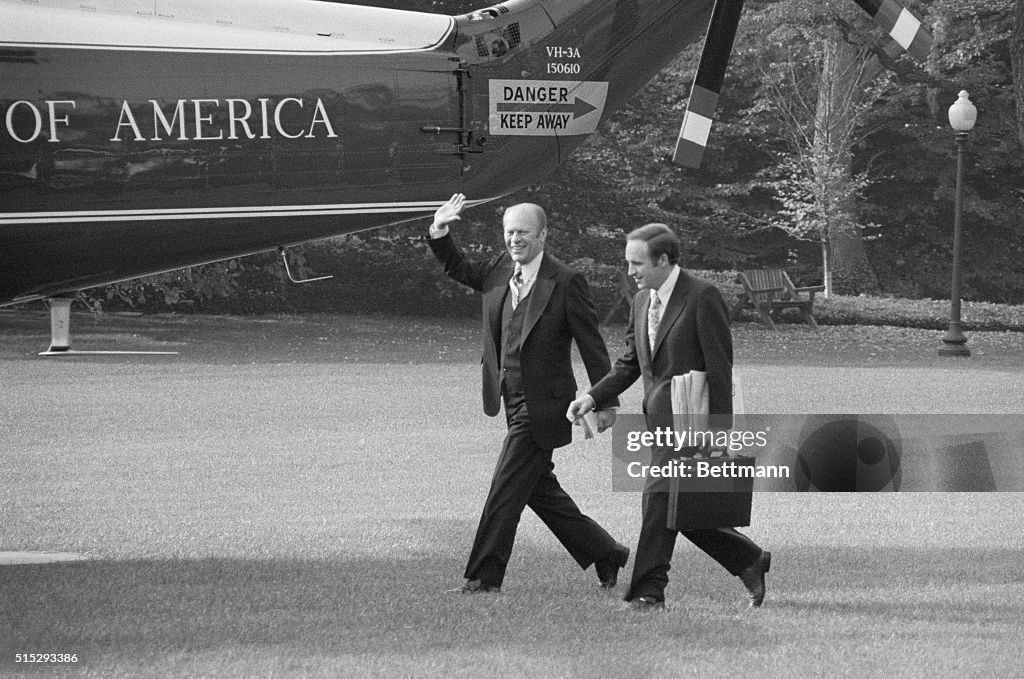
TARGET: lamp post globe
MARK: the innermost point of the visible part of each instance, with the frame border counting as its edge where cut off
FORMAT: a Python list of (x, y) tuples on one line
[(963, 114)]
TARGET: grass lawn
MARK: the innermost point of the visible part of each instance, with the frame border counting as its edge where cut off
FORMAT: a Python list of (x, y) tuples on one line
[(290, 497)]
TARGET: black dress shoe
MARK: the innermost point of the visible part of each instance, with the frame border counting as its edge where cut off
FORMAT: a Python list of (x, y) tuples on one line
[(645, 604), (475, 587), (753, 578), (608, 568)]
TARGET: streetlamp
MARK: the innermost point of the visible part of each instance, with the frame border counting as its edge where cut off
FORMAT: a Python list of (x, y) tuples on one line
[(962, 116)]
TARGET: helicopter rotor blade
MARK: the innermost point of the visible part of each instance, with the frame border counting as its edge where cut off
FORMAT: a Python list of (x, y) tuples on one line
[(714, 58), (901, 25)]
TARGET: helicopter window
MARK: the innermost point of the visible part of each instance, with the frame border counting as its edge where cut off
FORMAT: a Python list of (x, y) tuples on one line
[(499, 42), (513, 35)]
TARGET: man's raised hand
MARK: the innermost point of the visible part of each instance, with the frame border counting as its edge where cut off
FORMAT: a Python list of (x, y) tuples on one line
[(449, 212)]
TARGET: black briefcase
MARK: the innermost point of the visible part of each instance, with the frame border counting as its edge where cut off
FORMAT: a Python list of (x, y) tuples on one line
[(717, 493)]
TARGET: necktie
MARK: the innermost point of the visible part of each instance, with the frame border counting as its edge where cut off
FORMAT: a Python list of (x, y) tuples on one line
[(516, 284), (653, 319)]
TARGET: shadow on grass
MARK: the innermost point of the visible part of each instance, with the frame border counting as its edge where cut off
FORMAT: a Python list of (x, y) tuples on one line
[(384, 605)]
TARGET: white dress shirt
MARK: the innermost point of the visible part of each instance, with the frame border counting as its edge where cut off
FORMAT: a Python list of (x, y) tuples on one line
[(665, 291), (530, 271)]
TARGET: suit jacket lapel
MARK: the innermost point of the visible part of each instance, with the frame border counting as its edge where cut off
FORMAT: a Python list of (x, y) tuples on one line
[(643, 341), (539, 295), (672, 310), (495, 297)]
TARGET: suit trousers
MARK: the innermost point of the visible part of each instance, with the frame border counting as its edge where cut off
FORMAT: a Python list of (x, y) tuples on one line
[(730, 548), (524, 477)]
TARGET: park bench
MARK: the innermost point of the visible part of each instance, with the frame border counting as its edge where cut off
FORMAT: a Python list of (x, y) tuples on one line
[(770, 291)]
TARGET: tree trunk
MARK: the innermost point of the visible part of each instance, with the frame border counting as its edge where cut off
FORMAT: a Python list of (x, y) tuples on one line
[(1017, 57), (851, 272), (940, 26), (826, 267), (834, 133)]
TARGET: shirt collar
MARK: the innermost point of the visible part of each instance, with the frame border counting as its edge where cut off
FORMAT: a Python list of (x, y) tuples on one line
[(665, 291)]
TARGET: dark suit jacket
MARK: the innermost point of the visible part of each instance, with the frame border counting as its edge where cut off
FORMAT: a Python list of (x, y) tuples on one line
[(559, 310), (693, 335)]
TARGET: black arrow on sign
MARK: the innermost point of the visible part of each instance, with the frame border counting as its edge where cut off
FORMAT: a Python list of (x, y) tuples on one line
[(578, 108)]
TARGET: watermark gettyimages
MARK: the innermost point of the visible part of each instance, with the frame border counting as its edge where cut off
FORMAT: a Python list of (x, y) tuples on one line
[(824, 453)]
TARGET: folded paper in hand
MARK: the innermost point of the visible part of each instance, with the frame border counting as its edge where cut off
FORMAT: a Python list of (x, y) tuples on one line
[(589, 424), (690, 399), (589, 420)]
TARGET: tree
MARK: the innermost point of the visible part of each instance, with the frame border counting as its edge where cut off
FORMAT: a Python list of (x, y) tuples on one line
[(822, 92), (916, 157), (1017, 52)]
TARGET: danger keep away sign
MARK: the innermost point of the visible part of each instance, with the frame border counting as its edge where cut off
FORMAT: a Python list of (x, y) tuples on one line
[(545, 107)]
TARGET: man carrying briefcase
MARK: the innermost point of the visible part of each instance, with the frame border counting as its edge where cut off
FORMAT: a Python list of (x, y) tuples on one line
[(678, 323)]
